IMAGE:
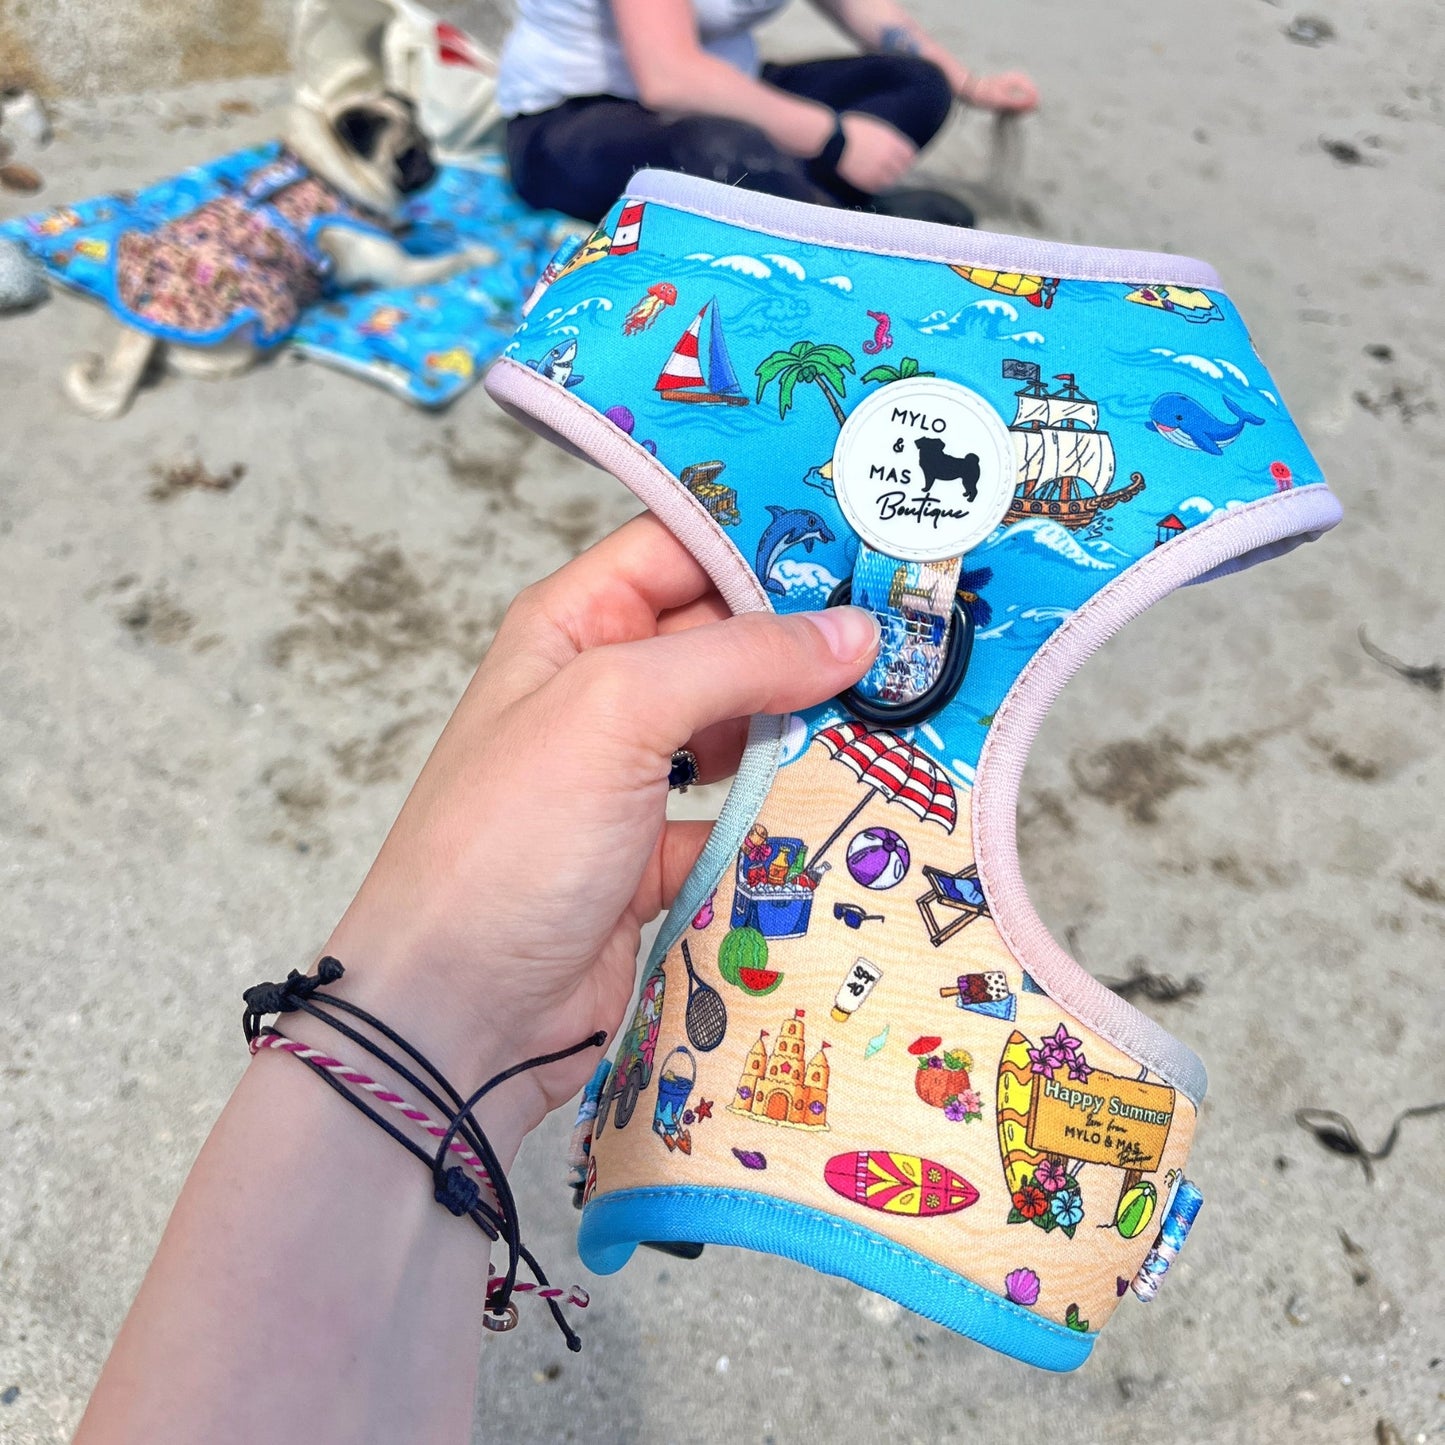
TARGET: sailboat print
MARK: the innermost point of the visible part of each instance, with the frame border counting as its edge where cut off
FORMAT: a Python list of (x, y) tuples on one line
[(684, 379)]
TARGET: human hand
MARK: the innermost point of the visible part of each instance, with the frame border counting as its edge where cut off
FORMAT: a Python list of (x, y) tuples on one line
[(1011, 92), (875, 155), (502, 918)]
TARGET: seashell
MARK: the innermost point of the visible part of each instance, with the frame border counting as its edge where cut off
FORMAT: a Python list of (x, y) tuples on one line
[(1022, 1287)]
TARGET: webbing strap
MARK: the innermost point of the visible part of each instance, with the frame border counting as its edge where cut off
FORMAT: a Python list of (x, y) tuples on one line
[(913, 602)]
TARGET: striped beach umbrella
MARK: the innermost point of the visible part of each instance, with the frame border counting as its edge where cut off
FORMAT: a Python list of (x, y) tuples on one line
[(884, 763)]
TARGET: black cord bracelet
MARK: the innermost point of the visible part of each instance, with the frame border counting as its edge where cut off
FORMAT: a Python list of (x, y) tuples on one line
[(451, 1186)]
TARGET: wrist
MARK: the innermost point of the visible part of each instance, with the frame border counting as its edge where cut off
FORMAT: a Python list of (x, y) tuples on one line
[(505, 1116), (444, 1012), (961, 80), (830, 154), (812, 131)]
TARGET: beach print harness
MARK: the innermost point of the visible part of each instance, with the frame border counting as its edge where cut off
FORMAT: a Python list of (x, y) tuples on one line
[(856, 1044), (249, 258)]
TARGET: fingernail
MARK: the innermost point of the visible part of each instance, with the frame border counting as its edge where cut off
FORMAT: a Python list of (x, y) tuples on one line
[(850, 632)]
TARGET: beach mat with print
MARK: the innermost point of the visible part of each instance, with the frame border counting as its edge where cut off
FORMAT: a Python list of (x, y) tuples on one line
[(426, 343)]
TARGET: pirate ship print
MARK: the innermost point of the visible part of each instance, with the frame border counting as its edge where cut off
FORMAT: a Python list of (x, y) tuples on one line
[(1066, 464)]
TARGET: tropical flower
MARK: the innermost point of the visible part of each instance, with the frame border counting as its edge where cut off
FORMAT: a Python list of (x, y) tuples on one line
[(1032, 1203), (1042, 1061), (1068, 1208), (1061, 1041), (971, 1102), (1080, 1069), (1022, 1286), (954, 1110), (1050, 1175)]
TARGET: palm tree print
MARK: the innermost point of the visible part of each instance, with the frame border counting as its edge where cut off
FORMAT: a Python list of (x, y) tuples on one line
[(821, 363), (906, 368)]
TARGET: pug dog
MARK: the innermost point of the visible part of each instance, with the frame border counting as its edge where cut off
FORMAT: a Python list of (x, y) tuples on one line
[(213, 289)]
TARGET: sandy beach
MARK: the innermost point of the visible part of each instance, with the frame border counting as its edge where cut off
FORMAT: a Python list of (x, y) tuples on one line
[(214, 698)]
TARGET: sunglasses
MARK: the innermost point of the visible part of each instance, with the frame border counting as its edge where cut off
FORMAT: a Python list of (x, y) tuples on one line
[(854, 916)]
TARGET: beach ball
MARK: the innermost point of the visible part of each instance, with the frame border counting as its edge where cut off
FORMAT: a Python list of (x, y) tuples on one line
[(878, 858)]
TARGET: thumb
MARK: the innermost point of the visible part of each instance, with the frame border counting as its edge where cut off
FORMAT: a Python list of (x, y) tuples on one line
[(672, 686)]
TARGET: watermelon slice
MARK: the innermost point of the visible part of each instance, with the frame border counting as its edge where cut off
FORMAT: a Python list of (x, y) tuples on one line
[(759, 981), (742, 948)]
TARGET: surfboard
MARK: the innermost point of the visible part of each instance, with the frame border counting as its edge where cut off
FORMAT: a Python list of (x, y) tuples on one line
[(1015, 1093), (898, 1183)]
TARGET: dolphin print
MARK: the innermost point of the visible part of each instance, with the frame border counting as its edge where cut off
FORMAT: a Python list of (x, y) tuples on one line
[(1184, 422), (556, 365), (788, 529)]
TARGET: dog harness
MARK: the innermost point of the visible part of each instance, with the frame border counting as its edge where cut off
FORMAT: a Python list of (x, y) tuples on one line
[(856, 1045), (248, 258)]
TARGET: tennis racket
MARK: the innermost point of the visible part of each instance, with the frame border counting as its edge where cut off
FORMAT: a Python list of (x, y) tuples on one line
[(706, 1016)]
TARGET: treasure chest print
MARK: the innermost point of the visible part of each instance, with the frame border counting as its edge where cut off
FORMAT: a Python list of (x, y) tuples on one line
[(842, 1026)]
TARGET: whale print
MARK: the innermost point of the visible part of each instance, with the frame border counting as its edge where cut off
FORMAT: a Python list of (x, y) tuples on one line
[(1181, 420), (789, 528)]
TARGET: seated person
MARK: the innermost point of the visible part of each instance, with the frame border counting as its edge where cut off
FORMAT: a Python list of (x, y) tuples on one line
[(596, 90)]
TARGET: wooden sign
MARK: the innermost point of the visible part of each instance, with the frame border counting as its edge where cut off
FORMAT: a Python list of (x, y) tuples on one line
[(1109, 1120)]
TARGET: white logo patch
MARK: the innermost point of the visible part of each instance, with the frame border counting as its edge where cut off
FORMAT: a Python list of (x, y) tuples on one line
[(924, 469)]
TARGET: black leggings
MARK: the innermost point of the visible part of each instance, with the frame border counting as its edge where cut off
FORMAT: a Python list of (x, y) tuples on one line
[(579, 156)]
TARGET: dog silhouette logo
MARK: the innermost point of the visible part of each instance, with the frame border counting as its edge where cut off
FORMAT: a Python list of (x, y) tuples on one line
[(899, 455), (937, 466)]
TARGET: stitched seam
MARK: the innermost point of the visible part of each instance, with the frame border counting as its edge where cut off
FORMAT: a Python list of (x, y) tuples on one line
[(1010, 705), (876, 1242), (591, 420), (837, 244)]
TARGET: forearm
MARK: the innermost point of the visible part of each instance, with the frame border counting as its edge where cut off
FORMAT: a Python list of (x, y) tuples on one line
[(309, 1286), (705, 85), (307, 1278), (885, 26)]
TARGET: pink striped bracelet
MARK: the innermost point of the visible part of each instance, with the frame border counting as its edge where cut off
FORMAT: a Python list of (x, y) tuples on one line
[(279, 1043)]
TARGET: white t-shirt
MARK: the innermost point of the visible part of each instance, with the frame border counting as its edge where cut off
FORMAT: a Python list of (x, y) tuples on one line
[(563, 48)]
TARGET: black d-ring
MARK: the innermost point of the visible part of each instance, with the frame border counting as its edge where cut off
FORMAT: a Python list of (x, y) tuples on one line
[(945, 685)]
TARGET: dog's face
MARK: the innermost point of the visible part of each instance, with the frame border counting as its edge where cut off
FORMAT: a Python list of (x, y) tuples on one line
[(382, 137)]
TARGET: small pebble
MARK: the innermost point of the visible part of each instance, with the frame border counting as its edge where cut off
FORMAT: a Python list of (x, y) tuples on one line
[(1309, 30), (1347, 153), (1297, 1310), (16, 177), (23, 114), (22, 277), (9, 1395), (723, 1365)]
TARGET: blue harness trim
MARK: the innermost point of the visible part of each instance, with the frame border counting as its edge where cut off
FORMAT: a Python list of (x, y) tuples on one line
[(613, 1225)]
